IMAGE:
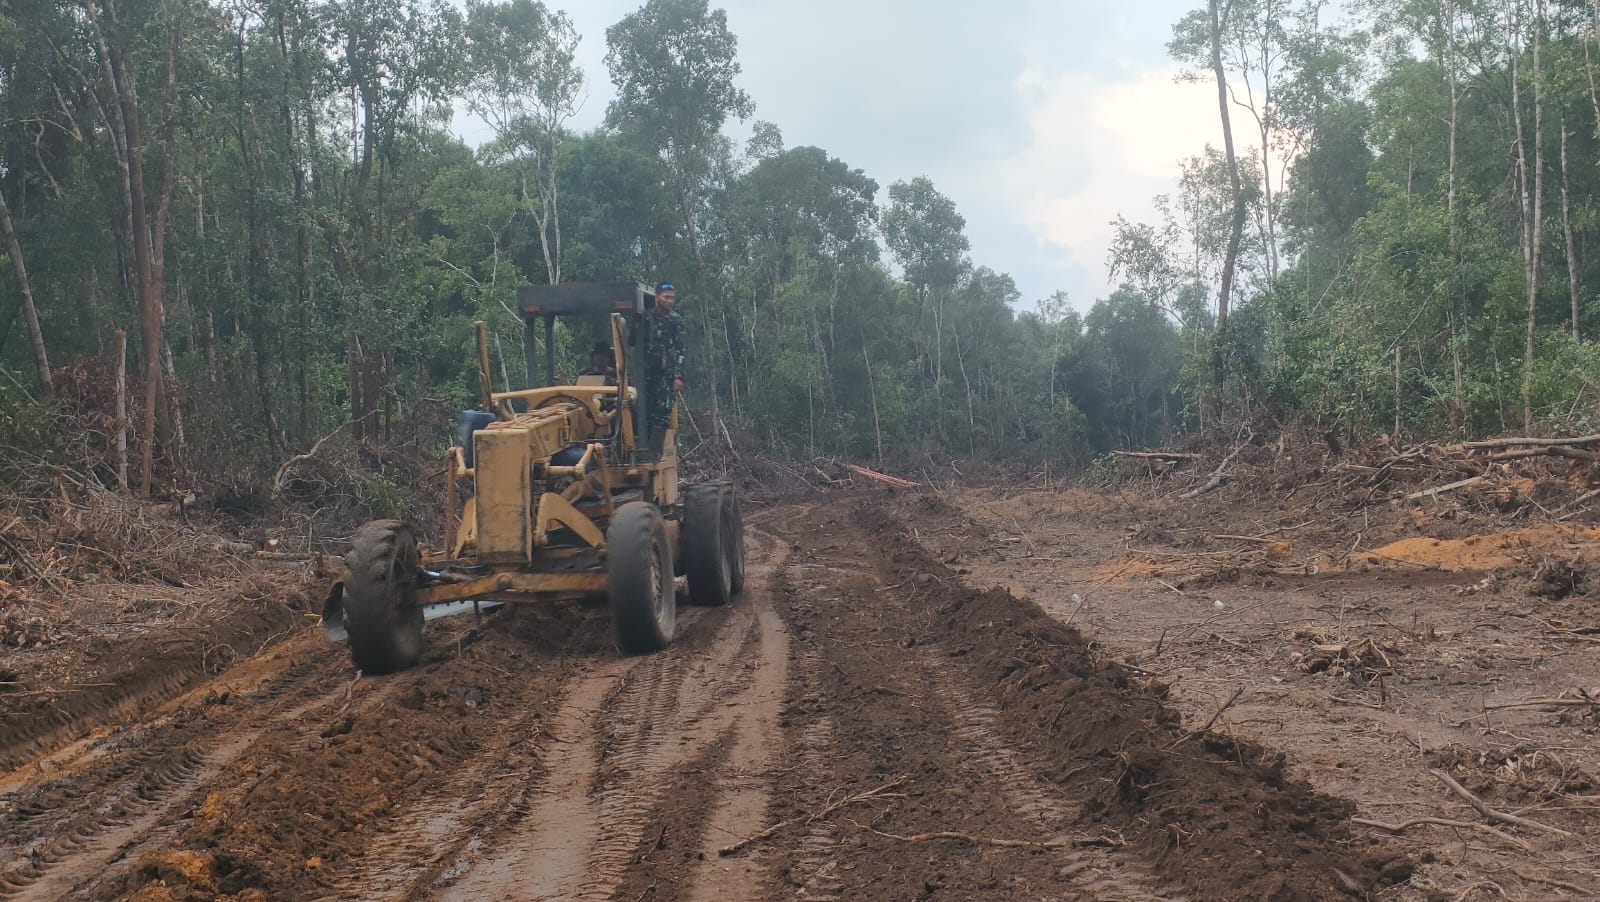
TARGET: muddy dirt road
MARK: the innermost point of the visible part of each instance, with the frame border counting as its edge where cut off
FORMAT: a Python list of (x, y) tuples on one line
[(865, 722)]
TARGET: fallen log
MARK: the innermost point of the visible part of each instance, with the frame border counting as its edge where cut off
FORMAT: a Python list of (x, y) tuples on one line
[(1546, 703), (1538, 442), (1439, 490), (881, 477), (1546, 451), (1157, 455)]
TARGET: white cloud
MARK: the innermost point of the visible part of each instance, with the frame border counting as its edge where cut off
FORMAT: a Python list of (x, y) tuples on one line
[(1098, 148)]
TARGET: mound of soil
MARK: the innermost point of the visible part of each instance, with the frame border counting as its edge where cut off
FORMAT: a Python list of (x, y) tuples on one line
[(1218, 815), (314, 797), (57, 698)]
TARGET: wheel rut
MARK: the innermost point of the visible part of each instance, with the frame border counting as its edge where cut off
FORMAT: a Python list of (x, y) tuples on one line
[(690, 729), (62, 833)]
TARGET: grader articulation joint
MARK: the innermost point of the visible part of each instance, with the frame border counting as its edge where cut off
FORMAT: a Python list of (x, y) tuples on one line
[(568, 497)]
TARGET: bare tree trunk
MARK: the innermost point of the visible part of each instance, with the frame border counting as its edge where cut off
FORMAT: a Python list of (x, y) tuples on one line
[(1525, 202), (1458, 407), (250, 154), (1396, 435), (30, 314), (972, 416), (363, 411), (717, 426), (121, 410), (1264, 121), (1588, 64), (1536, 231), (358, 420), (1458, 376), (1572, 254), (371, 392), (293, 81), (211, 347), (872, 392), (555, 216), (1236, 233), (148, 238), (180, 441)]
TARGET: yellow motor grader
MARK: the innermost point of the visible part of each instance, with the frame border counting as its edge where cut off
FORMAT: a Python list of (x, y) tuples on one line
[(558, 492)]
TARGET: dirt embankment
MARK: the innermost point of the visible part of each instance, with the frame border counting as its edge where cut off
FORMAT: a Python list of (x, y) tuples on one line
[(53, 693), (1215, 814), (1380, 641)]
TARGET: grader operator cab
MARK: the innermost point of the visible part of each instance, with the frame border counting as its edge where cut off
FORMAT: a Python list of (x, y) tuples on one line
[(569, 497)]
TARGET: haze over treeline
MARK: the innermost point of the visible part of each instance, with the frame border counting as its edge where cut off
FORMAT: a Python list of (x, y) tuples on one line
[(270, 200)]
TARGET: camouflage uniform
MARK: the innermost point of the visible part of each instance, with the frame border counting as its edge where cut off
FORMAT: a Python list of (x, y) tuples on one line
[(664, 353)]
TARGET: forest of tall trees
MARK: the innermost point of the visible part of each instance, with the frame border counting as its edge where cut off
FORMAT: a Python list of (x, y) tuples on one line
[(269, 201)]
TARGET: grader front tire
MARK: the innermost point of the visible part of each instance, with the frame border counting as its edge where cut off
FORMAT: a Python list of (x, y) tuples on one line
[(705, 546), (382, 616), (733, 535), (639, 573)]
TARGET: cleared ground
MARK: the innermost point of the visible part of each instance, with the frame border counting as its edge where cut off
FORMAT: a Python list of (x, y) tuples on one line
[(870, 720)]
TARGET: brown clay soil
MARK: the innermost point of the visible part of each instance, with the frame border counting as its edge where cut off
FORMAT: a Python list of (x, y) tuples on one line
[(907, 702)]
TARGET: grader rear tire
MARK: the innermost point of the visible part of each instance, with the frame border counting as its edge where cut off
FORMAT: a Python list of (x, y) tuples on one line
[(705, 546), (733, 535), (382, 616), (644, 607)]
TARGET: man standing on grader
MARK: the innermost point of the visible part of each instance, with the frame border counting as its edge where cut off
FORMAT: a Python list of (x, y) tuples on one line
[(664, 356)]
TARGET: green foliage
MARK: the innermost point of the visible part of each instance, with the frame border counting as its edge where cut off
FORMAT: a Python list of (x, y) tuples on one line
[(1566, 382)]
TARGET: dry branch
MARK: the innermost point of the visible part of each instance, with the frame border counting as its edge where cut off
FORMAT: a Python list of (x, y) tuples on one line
[(1218, 473), (867, 796), (1459, 484), (278, 477), (1157, 455), (1402, 827), (1559, 884), (1574, 503), (1545, 702), (1260, 540), (975, 840), (1491, 813), (1208, 724)]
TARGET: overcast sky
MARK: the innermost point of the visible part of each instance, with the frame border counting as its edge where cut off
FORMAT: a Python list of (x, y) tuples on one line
[(1042, 120)]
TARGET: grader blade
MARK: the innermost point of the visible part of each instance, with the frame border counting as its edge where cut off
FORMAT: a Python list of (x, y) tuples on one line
[(333, 627)]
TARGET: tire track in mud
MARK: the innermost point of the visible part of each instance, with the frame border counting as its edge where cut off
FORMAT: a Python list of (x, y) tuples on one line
[(490, 790), (617, 753), (743, 781), (815, 868), (110, 795), (604, 781), (127, 676), (106, 810)]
